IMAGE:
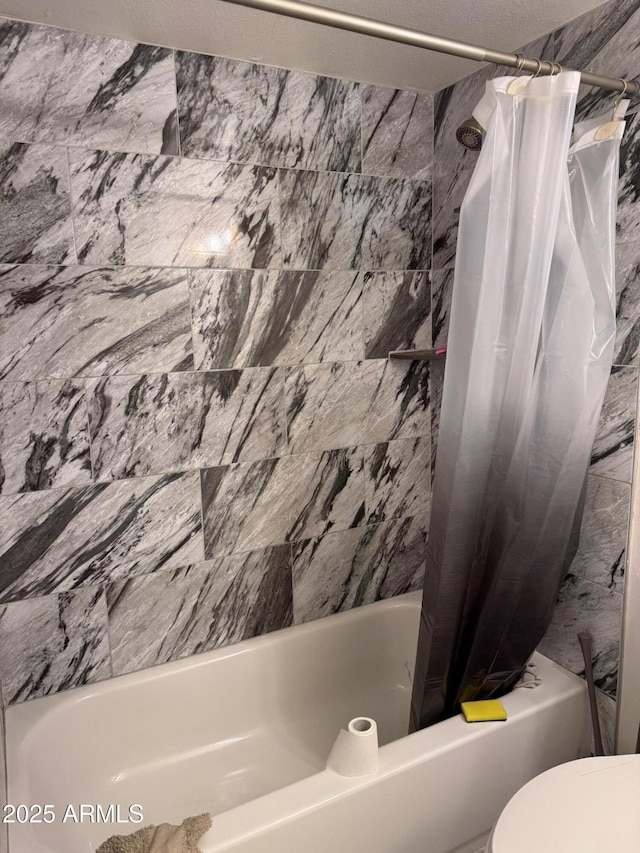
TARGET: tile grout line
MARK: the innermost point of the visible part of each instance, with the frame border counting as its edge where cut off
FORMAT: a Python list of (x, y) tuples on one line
[(194, 371), (89, 436), (594, 583), (316, 453), (175, 86), (108, 630), (607, 478), (248, 164), (202, 519), (192, 335), (159, 572), (107, 265)]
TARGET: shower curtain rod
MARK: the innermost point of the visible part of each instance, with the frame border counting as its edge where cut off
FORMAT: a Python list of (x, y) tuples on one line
[(370, 27)]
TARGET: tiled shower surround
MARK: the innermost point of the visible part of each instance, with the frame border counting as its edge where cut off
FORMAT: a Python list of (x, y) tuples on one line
[(205, 263)]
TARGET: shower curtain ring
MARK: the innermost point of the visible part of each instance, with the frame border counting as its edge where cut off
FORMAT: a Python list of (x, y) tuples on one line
[(538, 69), (556, 68), (519, 63), (625, 86)]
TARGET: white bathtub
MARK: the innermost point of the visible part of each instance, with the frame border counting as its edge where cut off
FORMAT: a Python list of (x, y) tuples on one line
[(244, 732)]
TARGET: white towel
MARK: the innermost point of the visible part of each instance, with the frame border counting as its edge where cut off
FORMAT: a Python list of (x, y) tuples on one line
[(164, 838)]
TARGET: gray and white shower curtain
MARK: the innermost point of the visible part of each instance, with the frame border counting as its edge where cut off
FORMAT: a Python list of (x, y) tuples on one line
[(529, 355)]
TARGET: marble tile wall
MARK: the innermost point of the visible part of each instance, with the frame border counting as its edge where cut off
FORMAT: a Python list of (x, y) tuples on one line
[(603, 41), (203, 266)]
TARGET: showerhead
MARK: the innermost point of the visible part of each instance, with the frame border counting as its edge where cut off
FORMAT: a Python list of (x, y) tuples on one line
[(470, 134)]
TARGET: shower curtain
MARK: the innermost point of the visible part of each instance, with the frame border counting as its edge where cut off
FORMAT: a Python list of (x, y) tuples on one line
[(529, 355)]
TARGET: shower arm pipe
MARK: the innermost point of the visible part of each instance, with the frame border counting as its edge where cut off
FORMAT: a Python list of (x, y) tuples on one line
[(403, 35)]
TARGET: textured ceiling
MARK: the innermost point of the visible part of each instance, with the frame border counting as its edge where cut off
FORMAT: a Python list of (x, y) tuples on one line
[(212, 26)]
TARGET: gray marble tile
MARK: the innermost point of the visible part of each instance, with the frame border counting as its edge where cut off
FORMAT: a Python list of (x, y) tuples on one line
[(398, 402), (251, 506), (351, 403), (606, 38), (607, 711), (586, 606), (325, 405), (157, 423), (441, 296), (628, 308), (53, 643), (65, 538), (612, 454), (397, 479), (35, 208), (397, 133), (436, 386), (91, 91), (455, 104), (337, 221), (244, 318), (169, 615), (83, 321), (397, 312), (250, 113), (603, 535), (44, 439), (448, 194), (344, 570), (230, 110), (164, 211), (324, 115)]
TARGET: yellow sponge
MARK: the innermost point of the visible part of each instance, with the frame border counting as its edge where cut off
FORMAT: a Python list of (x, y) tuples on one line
[(482, 712)]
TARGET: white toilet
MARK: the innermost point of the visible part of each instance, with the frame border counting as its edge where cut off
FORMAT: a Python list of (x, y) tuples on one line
[(591, 805)]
